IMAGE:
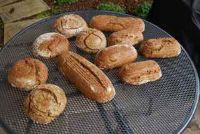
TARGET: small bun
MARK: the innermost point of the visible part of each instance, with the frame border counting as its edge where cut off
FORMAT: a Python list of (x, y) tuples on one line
[(70, 25), (160, 48), (28, 73), (127, 36), (50, 45), (45, 103), (140, 72), (91, 40)]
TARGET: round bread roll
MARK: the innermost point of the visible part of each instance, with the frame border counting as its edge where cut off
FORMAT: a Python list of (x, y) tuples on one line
[(140, 72), (113, 23), (127, 36), (70, 25), (91, 40), (45, 103), (28, 73), (50, 45), (166, 47)]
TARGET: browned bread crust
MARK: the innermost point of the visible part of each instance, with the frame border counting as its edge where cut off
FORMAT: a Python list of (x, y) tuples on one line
[(70, 25), (140, 72), (160, 48), (127, 36), (87, 77), (115, 56), (114, 23), (91, 40), (28, 73), (50, 45), (45, 103)]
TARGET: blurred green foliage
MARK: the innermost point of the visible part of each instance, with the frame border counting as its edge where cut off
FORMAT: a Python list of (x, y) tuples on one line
[(143, 9), (111, 7), (60, 2)]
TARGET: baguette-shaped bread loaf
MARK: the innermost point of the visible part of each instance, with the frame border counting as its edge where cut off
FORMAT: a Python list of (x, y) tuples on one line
[(160, 48), (87, 77), (140, 72), (113, 23), (115, 56)]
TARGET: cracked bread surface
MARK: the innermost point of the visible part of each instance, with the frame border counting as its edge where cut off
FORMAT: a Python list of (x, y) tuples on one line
[(27, 73), (91, 40), (45, 103)]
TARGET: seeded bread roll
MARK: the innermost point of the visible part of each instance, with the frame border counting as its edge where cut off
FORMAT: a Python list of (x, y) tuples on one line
[(160, 48), (127, 36), (87, 77), (91, 40), (140, 72), (45, 103), (70, 25), (50, 45), (115, 56), (113, 23), (27, 74)]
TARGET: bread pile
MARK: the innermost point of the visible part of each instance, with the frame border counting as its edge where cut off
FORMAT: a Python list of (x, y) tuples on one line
[(45, 102)]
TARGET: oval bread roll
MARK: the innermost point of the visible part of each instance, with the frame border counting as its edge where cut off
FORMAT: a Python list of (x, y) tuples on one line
[(115, 56), (140, 72), (87, 77), (45, 103), (160, 48), (91, 40), (50, 45), (127, 36), (27, 74), (70, 25), (113, 23)]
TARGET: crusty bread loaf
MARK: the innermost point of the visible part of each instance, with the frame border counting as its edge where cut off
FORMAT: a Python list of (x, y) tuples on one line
[(50, 45), (140, 72), (87, 77), (115, 56), (127, 36), (70, 25), (28, 73), (114, 23), (91, 40), (160, 48), (45, 103)]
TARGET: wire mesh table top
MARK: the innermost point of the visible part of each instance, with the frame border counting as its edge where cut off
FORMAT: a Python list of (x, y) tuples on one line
[(163, 106)]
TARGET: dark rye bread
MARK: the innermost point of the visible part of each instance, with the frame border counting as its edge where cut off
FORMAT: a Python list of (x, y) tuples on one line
[(87, 77)]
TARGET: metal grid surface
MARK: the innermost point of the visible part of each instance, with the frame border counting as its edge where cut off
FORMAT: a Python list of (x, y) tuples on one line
[(163, 106)]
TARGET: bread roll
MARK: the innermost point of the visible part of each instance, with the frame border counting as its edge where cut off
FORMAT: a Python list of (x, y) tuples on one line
[(113, 23), (45, 103), (160, 48), (91, 40), (50, 45), (88, 78), (70, 25), (115, 56), (128, 36), (140, 72), (27, 74)]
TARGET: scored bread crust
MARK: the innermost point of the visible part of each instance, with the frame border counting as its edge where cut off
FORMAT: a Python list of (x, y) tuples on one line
[(28, 73), (125, 37), (166, 47), (87, 77), (91, 40), (45, 103), (140, 72), (113, 23), (70, 25), (50, 45), (115, 56)]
